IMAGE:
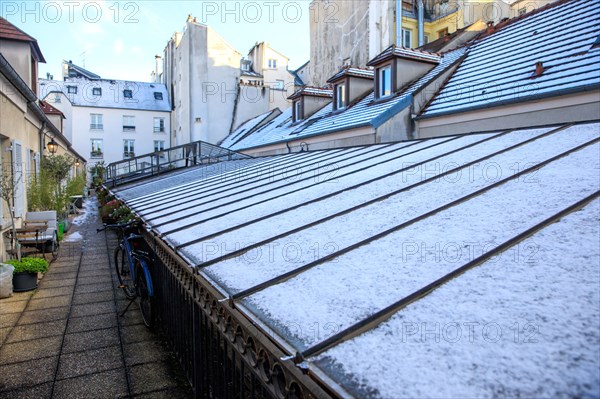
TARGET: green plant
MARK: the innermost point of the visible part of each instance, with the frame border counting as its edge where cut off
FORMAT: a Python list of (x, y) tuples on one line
[(122, 214), (107, 210), (97, 173), (9, 180), (75, 186), (29, 265)]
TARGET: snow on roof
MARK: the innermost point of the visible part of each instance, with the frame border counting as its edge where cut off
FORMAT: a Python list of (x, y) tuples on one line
[(364, 113), (335, 252), (500, 68), (244, 128), (353, 71), (112, 93), (413, 54), (312, 91)]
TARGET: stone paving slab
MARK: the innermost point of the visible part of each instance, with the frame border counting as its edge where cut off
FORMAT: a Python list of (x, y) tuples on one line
[(67, 339)]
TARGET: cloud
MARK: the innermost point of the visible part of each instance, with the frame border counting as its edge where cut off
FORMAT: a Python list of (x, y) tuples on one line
[(118, 47)]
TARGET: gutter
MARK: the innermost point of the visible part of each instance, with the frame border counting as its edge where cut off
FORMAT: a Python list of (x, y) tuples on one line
[(531, 97), (13, 77)]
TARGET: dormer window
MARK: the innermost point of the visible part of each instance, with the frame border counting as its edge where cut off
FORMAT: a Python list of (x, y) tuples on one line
[(127, 94), (96, 91), (384, 81), (340, 96), (72, 89), (298, 110), (158, 95)]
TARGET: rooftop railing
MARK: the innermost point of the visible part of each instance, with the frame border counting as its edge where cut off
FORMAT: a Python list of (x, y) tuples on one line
[(155, 163)]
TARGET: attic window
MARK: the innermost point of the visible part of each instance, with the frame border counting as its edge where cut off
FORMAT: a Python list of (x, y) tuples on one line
[(127, 94), (340, 96), (384, 82), (298, 111), (158, 95), (72, 89), (96, 91)]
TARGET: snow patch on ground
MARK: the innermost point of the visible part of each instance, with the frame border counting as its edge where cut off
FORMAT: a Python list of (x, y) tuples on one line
[(74, 237), (90, 207)]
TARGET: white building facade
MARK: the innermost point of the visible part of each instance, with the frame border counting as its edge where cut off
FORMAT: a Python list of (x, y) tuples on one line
[(111, 120)]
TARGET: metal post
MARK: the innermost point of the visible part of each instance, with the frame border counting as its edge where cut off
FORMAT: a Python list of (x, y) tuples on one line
[(399, 23), (421, 21)]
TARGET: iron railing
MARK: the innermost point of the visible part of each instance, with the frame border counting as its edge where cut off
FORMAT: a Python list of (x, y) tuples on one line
[(222, 352), (143, 166)]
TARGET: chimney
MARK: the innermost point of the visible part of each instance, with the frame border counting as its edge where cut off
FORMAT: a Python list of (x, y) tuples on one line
[(189, 18), (158, 67), (421, 22), (490, 28)]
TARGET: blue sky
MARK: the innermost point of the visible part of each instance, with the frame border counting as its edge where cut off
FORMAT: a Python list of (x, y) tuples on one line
[(119, 39)]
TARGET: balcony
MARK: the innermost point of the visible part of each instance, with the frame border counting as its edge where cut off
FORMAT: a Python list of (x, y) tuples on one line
[(96, 154), (128, 128), (128, 154)]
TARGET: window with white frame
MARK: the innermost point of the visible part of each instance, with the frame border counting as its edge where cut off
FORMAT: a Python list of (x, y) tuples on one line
[(272, 63), (97, 148), (159, 125), (384, 82), (406, 38), (298, 110), (340, 96), (96, 122), (159, 145), (128, 149), (128, 123)]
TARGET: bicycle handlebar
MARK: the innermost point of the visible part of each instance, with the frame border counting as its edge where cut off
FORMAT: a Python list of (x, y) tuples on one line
[(118, 226)]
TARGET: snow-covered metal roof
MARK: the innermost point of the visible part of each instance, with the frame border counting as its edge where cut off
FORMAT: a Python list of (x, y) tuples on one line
[(500, 68), (246, 127), (353, 71), (401, 52), (312, 91), (106, 93), (366, 112), (455, 266)]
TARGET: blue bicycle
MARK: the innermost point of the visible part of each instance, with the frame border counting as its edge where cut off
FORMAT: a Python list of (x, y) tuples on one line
[(133, 268)]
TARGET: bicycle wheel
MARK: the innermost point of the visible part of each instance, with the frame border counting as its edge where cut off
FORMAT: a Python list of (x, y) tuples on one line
[(147, 307), (54, 246), (124, 273)]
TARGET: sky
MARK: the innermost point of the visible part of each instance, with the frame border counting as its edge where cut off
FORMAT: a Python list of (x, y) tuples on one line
[(119, 39)]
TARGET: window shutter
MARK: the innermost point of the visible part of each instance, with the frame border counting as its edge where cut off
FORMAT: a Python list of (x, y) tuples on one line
[(19, 197)]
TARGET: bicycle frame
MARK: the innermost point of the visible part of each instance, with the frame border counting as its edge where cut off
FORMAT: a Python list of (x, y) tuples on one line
[(132, 256)]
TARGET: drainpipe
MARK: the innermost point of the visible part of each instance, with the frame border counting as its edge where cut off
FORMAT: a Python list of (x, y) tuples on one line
[(41, 147), (421, 21), (399, 23)]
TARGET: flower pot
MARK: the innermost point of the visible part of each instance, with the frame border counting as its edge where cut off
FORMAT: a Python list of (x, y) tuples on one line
[(24, 282)]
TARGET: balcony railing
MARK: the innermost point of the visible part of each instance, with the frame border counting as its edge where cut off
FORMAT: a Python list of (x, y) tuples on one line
[(129, 128), (187, 155), (96, 126), (128, 155), (96, 154)]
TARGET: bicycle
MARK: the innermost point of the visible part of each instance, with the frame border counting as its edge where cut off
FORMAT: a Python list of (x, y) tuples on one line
[(133, 269)]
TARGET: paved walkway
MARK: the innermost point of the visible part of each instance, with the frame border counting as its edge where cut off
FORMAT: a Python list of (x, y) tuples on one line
[(66, 339)]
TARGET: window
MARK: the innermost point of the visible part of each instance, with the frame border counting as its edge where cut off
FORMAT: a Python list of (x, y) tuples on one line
[(245, 66), (128, 149), (272, 63), (279, 84), (97, 91), (128, 123), (425, 39), (72, 89), (384, 82), (57, 98), (340, 96), (97, 148), (127, 94), (96, 122), (442, 33), (406, 38), (158, 95), (159, 125), (298, 110), (159, 145)]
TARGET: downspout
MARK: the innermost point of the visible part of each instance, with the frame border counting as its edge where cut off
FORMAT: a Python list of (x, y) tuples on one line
[(421, 22), (399, 23), (41, 146)]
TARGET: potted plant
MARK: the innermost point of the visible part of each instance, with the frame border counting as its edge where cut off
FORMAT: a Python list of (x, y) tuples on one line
[(26, 271)]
